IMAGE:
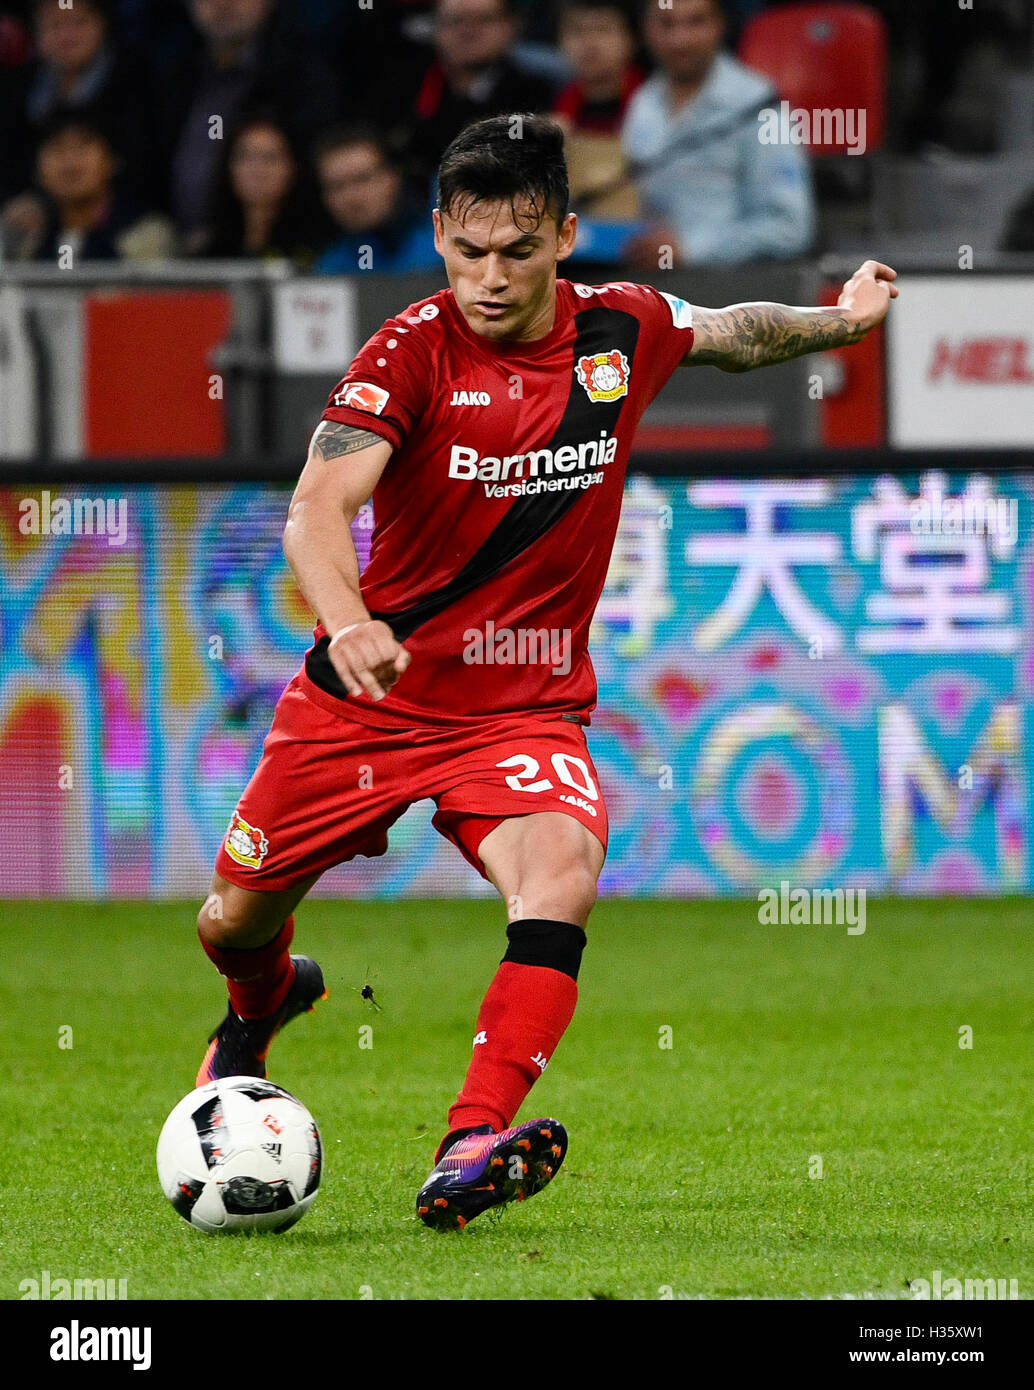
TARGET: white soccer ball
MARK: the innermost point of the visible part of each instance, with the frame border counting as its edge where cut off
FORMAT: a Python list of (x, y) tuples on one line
[(240, 1154)]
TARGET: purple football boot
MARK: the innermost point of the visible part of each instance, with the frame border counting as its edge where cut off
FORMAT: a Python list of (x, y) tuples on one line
[(484, 1169)]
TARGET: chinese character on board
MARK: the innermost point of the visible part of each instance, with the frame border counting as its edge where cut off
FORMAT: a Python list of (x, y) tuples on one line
[(935, 569), (764, 558), (636, 596)]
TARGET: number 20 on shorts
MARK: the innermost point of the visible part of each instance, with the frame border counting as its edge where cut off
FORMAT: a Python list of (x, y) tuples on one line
[(563, 763)]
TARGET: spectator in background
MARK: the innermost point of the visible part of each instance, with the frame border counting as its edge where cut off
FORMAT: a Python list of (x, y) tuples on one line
[(248, 54), (385, 228), (78, 214), (76, 59), (711, 189), (80, 66), (472, 75), (599, 39), (265, 206)]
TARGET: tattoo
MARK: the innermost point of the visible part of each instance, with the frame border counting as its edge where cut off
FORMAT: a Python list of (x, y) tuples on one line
[(746, 336), (331, 441)]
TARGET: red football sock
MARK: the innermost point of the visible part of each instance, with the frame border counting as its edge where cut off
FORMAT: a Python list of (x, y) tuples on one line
[(523, 1017), (258, 980)]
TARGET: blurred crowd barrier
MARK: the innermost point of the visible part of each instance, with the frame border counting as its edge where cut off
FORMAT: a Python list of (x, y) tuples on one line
[(234, 364)]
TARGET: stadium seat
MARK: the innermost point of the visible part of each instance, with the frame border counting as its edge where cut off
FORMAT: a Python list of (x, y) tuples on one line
[(824, 57), (15, 47)]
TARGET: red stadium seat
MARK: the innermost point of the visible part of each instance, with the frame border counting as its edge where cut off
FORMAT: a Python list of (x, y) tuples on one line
[(823, 57), (14, 43)]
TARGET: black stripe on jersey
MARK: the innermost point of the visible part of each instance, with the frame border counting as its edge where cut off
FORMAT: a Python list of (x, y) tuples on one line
[(529, 518)]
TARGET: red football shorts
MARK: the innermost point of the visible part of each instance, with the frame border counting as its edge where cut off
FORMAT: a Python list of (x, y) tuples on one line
[(327, 787)]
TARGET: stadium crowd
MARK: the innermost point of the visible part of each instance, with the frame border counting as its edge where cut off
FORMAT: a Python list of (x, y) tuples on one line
[(144, 129)]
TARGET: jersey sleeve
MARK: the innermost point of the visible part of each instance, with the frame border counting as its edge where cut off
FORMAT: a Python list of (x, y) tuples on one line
[(666, 329), (672, 323), (385, 389)]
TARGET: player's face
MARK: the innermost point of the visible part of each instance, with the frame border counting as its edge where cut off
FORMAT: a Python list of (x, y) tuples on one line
[(502, 269)]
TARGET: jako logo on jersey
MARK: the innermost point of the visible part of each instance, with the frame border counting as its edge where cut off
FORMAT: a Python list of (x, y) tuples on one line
[(468, 463), (246, 844), (605, 376), (470, 398), (363, 395)]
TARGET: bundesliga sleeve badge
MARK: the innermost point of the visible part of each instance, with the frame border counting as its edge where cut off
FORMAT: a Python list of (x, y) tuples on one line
[(363, 395), (245, 844), (605, 376)]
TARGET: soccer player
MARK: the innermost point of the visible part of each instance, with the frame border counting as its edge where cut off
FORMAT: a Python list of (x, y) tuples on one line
[(491, 425)]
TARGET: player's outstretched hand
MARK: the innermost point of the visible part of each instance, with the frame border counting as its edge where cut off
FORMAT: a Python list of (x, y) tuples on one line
[(367, 657), (867, 295)]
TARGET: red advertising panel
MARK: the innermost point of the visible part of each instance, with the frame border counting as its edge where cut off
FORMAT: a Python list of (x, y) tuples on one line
[(853, 413), (150, 388)]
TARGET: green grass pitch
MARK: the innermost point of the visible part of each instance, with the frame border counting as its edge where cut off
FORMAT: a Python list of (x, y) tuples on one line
[(692, 1169)]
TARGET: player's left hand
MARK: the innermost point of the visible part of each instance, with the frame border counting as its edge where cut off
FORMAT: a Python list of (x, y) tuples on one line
[(367, 658), (867, 295)]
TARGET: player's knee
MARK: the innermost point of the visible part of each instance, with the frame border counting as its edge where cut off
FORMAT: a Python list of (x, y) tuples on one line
[(211, 922), (224, 920), (581, 889), (568, 894)]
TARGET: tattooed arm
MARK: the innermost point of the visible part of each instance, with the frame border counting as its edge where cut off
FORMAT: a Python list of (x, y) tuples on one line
[(319, 548), (333, 441), (745, 336)]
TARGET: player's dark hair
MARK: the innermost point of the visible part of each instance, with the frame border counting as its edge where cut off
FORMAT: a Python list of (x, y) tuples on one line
[(516, 159)]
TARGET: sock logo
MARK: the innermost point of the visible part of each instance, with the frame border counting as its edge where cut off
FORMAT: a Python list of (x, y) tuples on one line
[(541, 1061), (481, 1037)]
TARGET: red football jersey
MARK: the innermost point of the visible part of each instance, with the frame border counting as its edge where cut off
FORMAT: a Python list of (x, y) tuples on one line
[(495, 516)]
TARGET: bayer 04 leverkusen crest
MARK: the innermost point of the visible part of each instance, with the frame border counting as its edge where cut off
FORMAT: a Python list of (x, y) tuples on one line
[(246, 844), (605, 376)]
